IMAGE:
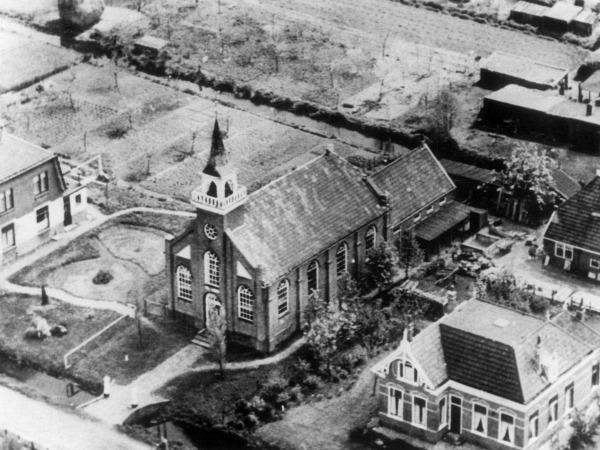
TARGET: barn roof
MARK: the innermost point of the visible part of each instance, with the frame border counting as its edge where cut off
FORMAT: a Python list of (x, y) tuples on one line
[(563, 11), (523, 97), (524, 68)]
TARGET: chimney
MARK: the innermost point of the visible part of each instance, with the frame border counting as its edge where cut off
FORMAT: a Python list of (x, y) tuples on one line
[(598, 172), (561, 89), (588, 109), (328, 149), (537, 355)]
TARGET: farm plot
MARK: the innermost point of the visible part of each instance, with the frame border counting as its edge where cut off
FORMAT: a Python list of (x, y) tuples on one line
[(25, 61)]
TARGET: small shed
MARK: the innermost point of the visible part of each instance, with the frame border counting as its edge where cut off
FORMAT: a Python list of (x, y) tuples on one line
[(527, 12), (150, 44), (501, 69), (561, 15), (585, 22)]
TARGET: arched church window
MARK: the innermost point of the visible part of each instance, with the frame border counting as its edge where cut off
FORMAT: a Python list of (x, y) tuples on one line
[(184, 283), (212, 269)]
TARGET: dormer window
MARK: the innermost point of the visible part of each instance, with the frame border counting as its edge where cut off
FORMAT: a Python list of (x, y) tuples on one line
[(405, 371)]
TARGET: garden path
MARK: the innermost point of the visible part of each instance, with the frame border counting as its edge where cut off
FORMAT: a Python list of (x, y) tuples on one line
[(93, 220), (116, 408)]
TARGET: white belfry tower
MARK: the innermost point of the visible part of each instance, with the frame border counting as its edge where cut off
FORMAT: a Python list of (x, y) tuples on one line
[(219, 191)]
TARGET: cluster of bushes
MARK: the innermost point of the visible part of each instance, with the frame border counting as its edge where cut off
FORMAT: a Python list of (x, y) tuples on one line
[(430, 268)]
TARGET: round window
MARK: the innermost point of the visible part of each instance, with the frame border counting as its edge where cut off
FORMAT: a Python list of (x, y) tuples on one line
[(211, 231)]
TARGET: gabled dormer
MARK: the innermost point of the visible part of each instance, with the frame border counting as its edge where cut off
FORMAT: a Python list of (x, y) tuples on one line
[(219, 191)]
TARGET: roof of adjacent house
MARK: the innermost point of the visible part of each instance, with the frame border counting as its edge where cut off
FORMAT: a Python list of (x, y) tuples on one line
[(577, 220), (447, 217), (413, 181), (468, 171), (493, 348), (524, 68), (532, 9), (564, 184), (563, 11), (302, 213), (18, 156)]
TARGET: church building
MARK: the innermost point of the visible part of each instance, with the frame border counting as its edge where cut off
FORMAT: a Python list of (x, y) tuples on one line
[(257, 257)]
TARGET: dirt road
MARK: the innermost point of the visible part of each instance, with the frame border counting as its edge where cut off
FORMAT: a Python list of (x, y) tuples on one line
[(57, 429), (379, 18)]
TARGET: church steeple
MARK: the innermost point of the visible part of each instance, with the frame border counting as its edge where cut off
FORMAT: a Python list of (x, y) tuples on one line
[(218, 158), (219, 191)]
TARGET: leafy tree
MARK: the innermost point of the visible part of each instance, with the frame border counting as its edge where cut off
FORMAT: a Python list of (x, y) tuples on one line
[(528, 177), (410, 253), (584, 432), (218, 338), (501, 287), (379, 265), (328, 330), (443, 111)]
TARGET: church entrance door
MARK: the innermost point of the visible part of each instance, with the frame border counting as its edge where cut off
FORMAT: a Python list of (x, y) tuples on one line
[(213, 309)]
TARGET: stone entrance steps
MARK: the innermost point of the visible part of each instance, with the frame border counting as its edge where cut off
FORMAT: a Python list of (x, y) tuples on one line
[(202, 338)]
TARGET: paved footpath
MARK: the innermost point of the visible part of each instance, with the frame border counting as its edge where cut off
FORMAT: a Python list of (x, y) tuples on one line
[(56, 429)]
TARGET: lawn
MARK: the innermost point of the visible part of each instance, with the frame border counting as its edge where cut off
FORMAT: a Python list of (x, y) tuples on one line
[(160, 338), (130, 248), (16, 315)]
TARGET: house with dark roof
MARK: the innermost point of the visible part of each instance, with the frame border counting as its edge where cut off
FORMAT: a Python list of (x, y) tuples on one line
[(421, 196), (572, 237), (35, 200), (498, 377), (257, 258)]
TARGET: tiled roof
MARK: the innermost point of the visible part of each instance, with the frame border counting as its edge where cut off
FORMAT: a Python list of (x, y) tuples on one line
[(18, 155), (448, 216), (564, 185), (299, 215), (413, 181), (468, 171), (563, 11), (492, 348), (576, 221)]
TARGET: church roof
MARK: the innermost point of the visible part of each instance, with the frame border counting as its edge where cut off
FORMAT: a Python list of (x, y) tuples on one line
[(299, 215), (218, 158)]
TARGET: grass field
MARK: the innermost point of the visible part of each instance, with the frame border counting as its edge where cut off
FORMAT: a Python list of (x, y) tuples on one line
[(25, 60)]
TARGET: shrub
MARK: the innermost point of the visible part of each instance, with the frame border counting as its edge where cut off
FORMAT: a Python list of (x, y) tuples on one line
[(251, 421), (296, 394), (102, 277), (538, 305), (117, 131), (273, 387), (312, 382)]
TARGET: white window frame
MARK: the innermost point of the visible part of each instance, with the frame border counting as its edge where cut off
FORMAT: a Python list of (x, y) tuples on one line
[(417, 217), (406, 371), (430, 209), (595, 263), (533, 433), (442, 201), (423, 423), (511, 428), (5, 242), (371, 237), (569, 389), (341, 265), (484, 422), (393, 409), (283, 298), (40, 183), (7, 200), (553, 410), (42, 225), (561, 249), (212, 269), (184, 283), (246, 300), (443, 412)]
